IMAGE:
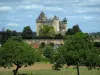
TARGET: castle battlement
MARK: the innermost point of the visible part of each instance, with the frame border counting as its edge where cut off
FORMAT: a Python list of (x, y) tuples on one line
[(59, 26)]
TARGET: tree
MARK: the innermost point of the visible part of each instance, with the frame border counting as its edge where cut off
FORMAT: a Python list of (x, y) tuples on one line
[(27, 33), (17, 52), (3, 38), (47, 30), (9, 33), (93, 58), (48, 52), (76, 29), (74, 51), (14, 33), (97, 44), (69, 31), (42, 45), (5, 35)]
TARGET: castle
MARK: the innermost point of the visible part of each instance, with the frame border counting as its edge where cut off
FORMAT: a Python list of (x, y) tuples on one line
[(59, 26)]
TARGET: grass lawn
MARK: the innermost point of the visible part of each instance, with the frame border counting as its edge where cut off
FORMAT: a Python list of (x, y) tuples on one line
[(44, 70)]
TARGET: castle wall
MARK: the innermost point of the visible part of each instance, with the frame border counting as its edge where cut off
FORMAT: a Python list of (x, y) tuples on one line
[(62, 27), (46, 41), (38, 28), (56, 25), (59, 26)]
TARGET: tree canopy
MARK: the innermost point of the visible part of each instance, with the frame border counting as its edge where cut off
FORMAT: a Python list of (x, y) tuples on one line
[(78, 50), (27, 33), (5, 35), (17, 52), (75, 29)]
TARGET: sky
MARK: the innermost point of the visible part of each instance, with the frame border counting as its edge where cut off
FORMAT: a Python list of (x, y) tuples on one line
[(16, 14)]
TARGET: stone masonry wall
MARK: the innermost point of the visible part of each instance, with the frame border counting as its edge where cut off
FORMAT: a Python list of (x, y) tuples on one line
[(46, 41)]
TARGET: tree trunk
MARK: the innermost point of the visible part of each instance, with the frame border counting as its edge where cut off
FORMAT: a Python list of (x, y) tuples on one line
[(78, 73), (15, 73)]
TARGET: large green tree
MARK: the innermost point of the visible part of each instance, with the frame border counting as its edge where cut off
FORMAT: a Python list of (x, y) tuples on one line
[(69, 31), (27, 33), (5, 35), (48, 51), (75, 29), (16, 52), (9, 33), (75, 50), (14, 33), (93, 58)]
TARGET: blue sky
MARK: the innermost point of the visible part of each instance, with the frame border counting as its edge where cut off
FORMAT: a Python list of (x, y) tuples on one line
[(16, 14)]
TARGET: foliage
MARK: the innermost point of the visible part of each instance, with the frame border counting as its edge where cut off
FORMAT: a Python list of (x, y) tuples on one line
[(5, 35), (27, 33), (69, 32), (58, 61), (17, 52), (74, 51), (52, 44), (14, 33), (48, 51), (97, 44), (75, 29), (93, 58), (47, 31), (9, 33), (96, 34), (42, 45)]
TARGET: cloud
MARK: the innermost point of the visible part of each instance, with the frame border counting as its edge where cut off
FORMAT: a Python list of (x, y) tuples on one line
[(12, 24), (30, 1), (5, 8), (33, 6), (53, 8), (60, 2), (40, 7), (88, 10), (30, 16), (88, 17)]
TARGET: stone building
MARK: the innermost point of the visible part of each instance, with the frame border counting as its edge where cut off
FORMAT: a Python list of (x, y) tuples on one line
[(37, 42), (59, 26)]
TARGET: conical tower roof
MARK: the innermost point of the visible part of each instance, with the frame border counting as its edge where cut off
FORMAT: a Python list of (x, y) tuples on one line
[(42, 16), (65, 19), (55, 18)]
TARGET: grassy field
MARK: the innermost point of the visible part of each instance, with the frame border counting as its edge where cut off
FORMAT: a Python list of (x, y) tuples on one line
[(45, 69)]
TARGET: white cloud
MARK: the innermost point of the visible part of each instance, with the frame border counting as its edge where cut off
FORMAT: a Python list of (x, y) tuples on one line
[(40, 7), (33, 6), (5, 8), (60, 1), (30, 1), (12, 24), (53, 8), (87, 10), (30, 16), (88, 17)]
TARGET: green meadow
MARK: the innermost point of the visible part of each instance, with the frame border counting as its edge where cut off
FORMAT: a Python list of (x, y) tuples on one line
[(49, 71)]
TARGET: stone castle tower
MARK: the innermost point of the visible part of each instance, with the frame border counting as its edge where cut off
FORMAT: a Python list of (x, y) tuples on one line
[(59, 26)]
